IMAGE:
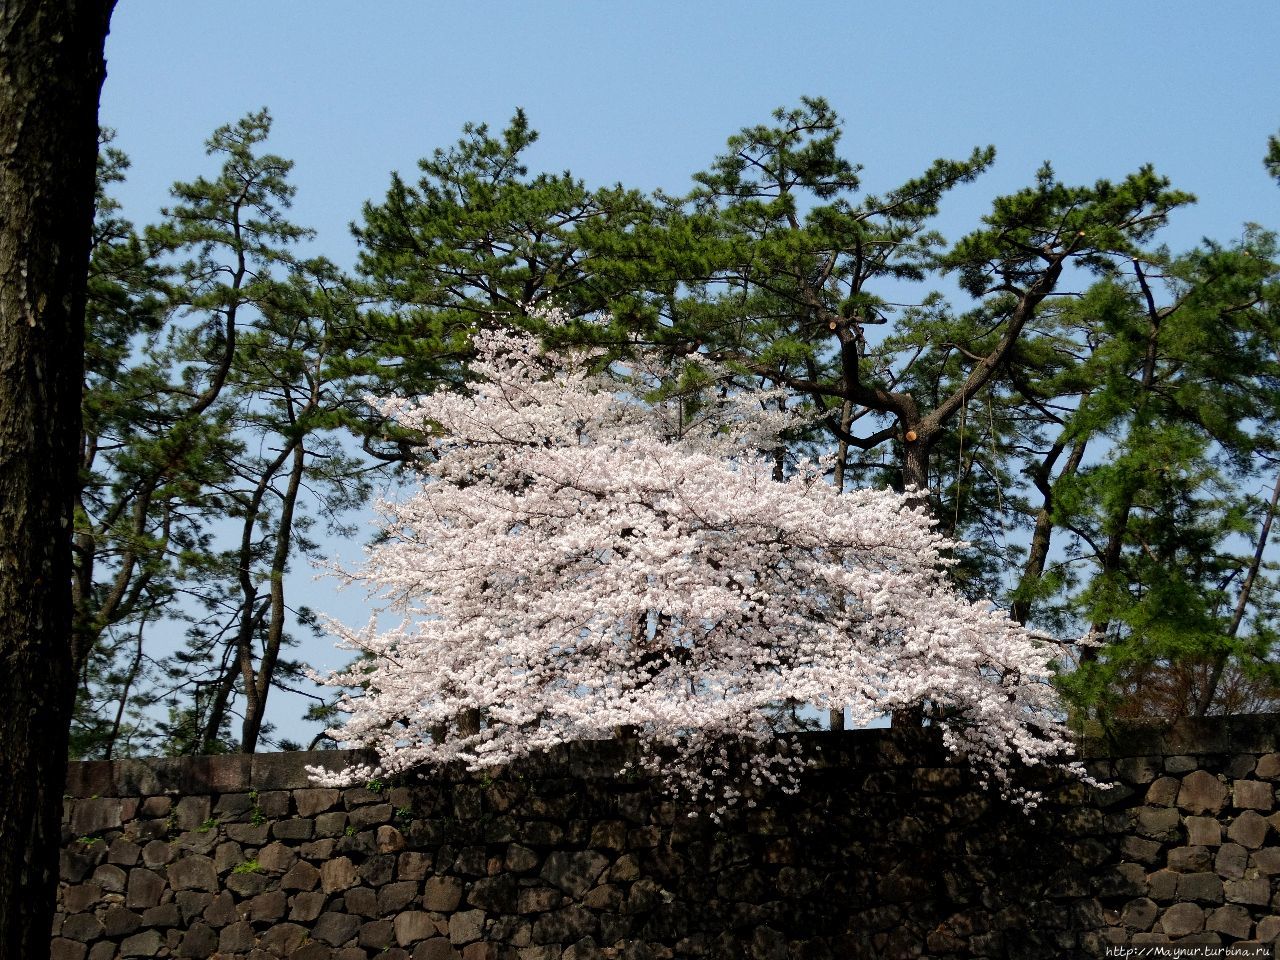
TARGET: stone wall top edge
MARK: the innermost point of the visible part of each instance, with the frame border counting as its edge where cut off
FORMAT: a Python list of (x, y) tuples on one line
[(238, 773)]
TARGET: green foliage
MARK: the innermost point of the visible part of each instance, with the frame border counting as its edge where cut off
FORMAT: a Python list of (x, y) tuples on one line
[(248, 866)]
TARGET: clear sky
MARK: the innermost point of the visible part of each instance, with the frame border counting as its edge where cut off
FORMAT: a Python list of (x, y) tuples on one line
[(647, 92)]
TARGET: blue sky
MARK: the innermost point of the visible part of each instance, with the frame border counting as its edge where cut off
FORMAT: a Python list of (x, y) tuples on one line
[(647, 93)]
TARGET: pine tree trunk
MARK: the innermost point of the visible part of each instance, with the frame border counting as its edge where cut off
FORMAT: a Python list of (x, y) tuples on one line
[(51, 72)]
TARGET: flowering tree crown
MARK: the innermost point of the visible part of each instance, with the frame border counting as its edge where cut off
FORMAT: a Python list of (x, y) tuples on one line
[(578, 560)]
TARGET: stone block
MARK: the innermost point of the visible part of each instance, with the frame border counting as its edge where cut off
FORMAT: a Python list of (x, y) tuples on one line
[(376, 934), (1230, 861), (119, 921), (1190, 859), (389, 839), (1201, 792), (1249, 829), (236, 938), (1256, 891), (164, 915), (1203, 831), (64, 949), (1163, 792), (301, 876), (337, 874), (362, 901), (193, 873), (466, 926), (312, 802), (267, 907), (84, 927), (574, 872), (293, 830), (1139, 914), (199, 941), (148, 943), (80, 898), (442, 894), (1204, 887), (124, 852), (413, 926), (394, 897), (1182, 919), (1232, 920), (332, 824), (283, 939), (413, 865), (335, 929), (221, 910), (1253, 795), (276, 857), (1158, 823), (1268, 767), (1138, 770), (95, 815), (305, 907), (157, 853), (193, 812), (144, 888)]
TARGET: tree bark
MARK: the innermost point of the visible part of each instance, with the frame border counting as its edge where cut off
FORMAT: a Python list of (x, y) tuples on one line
[(51, 73)]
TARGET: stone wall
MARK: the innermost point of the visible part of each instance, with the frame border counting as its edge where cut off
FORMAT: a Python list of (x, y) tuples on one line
[(887, 851)]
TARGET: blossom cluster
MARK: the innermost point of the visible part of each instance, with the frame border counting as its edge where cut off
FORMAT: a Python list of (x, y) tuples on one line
[(578, 560)]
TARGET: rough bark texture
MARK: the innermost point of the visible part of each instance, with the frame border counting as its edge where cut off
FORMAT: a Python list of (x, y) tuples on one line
[(51, 72)]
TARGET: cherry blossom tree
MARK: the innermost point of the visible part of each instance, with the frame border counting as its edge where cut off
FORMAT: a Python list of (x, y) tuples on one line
[(587, 553)]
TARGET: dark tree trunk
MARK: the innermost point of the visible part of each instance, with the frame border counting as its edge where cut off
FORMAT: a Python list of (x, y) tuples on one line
[(51, 73)]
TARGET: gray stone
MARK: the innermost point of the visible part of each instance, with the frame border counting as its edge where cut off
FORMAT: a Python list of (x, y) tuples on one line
[(1266, 861), (1204, 831), (1139, 914), (389, 840), (267, 906), (63, 949), (331, 824), (165, 915), (1205, 887), (1268, 767), (1232, 920), (227, 856), (191, 813), (157, 853), (337, 874), (80, 898), (316, 951), (102, 950), (466, 926), (1189, 859), (295, 829), (364, 818), (413, 865), (236, 938), (221, 910), (1180, 763), (110, 878), (200, 941), (1182, 919), (194, 872), (520, 859), (1268, 929), (335, 929), (1163, 792), (320, 850), (144, 888), (1137, 770), (276, 858), (1255, 891), (312, 802), (442, 894), (192, 903), (378, 870), (124, 852), (574, 872), (83, 927), (148, 943), (246, 884), (94, 816), (250, 834), (412, 926), (564, 926), (362, 901), (394, 897), (305, 907), (1139, 850), (435, 949), (538, 899), (495, 894), (376, 934), (301, 876), (1249, 829), (1158, 823), (1202, 792), (1230, 862), (119, 921), (283, 939), (1253, 795)]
